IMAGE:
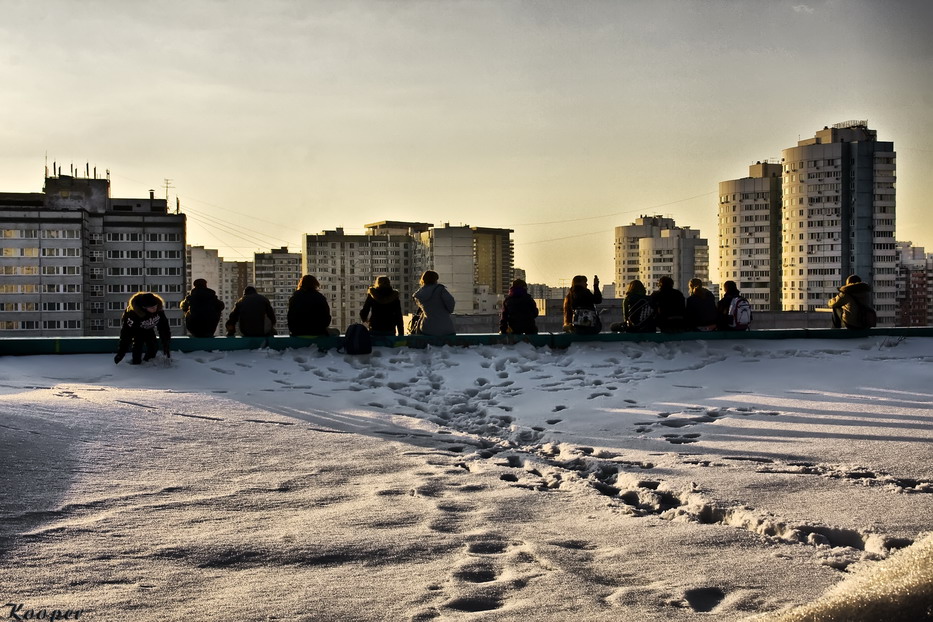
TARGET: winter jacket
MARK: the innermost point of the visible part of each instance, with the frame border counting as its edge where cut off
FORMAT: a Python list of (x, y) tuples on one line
[(383, 311), (722, 309), (671, 307), (252, 311), (701, 312), (580, 297), (308, 313), (518, 313), (436, 305), (850, 302), (138, 327), (629, 323), (202, 309)]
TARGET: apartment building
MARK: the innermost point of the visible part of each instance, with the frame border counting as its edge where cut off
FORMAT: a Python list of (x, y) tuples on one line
[(654, 246), (913, 287), (347, 265), (750, 234), (234, 277), (838, 216), (72, 256), (275, 276)]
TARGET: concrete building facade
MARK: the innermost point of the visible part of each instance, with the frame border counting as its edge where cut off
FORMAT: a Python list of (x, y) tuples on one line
[(275, 276), (750, 234), (72, 256), (654, 246), (838, 217)]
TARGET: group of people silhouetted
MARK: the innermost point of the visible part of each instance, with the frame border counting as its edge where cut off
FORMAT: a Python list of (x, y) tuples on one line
[(667, 310)]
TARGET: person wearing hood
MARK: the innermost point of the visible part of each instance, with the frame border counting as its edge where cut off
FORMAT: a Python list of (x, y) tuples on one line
[(852, 306), (144, 316), (580, 315), (518, 311), (382, 309), (702, 314), (202, 309), (308, 311), (435, 304), (254, 313)]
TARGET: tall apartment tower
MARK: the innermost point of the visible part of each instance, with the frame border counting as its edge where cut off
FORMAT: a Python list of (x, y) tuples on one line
[(750, 234), (913, 290), (234, 277), (474, 263), (276, 276), (838, 218), (347, 265), (654, 246), (72, 256)]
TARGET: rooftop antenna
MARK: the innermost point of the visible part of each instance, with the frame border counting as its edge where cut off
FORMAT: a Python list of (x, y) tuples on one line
[(167, 184)]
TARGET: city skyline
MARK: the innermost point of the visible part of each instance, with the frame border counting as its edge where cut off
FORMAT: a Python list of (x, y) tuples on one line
[(560, 121)]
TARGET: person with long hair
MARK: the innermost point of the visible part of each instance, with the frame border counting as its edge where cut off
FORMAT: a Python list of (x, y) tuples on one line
[(382, 309), (308, 311)]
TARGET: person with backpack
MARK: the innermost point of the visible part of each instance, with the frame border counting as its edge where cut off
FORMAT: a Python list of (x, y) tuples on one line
[(638, 316), (701, 313), (735, 311), (143, 318), (852, 306), (308, 311), (254, 313), (670, 306), (382, 309), (435, 305), (202, 309), (518, 311), (580, 314)]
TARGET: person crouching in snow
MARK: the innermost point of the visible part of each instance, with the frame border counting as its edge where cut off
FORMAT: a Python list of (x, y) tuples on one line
[(144, 316)]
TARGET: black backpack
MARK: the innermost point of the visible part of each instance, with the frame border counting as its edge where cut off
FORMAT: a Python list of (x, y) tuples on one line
[(639, 315), (357, 340)]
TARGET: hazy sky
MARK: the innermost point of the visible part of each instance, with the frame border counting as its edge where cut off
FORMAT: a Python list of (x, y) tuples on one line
[(559, 119)]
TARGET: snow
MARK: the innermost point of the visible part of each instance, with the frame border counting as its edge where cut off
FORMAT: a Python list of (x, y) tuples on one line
[(607, 481)]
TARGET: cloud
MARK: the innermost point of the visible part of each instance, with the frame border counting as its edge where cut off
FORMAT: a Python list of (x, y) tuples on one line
[(803, 8)]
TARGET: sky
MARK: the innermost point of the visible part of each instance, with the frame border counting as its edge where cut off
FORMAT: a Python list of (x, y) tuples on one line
[(560, 120), (658, 482)]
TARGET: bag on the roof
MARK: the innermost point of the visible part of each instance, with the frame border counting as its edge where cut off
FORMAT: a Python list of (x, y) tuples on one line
[(357, 340), (740, 313)]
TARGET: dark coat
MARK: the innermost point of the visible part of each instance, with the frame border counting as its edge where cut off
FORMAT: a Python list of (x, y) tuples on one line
[(202, 309), (671, 307), (628, 304), (252, 311), (849, 303), (308, 313), (383, 311), (722, 307), (436, 304), (701, 312), (518, 313), (138, 329), (580, 297)]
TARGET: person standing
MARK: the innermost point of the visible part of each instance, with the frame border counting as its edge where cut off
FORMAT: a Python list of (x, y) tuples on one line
[(308, 311), (254, 313), (701, 313), (669, 305), (143, 318), (382, 309), (518, 311), (435, 304), (202, 309), (852, 306), (580, 315)]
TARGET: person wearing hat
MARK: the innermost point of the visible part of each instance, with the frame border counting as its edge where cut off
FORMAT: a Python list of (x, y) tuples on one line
[(144, 316), (202, 309)]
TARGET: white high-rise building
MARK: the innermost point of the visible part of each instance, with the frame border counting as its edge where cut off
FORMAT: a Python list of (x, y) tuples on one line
[(838, 217), (71, 257), (750, 234), (654, 246)]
